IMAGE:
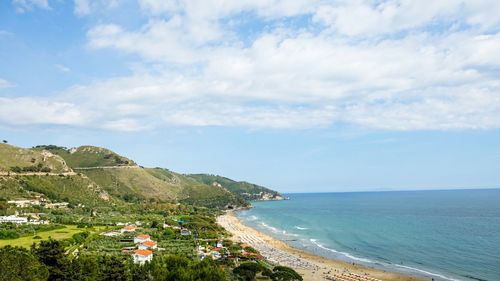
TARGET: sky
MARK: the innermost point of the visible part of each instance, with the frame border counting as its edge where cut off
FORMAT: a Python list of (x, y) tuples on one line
[(296, 95)]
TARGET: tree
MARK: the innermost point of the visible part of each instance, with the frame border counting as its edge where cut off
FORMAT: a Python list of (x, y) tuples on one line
[(248, 271), (207, 270), (18, 264), (283, 273), (85, 268), (16, 169), (113, 268), (51, 253)]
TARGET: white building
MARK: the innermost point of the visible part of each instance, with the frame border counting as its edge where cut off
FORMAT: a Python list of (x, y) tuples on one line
[(128, 228), (13, 219), (215, 255), (142, 238), (111, 234), (25, 203), (146, 245), (142, 256), (61, 205), (38, 222)]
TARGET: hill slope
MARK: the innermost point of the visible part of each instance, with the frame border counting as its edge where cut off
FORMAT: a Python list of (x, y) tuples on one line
[(194, 192), (101, 176), (88, 156), (123, 179), (13, 158), (246, 190), (72, 189)]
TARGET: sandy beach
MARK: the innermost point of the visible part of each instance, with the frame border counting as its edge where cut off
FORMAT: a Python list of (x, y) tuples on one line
[(311, 267)]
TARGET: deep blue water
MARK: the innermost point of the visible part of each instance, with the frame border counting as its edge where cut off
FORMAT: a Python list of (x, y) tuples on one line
[(445, 235)]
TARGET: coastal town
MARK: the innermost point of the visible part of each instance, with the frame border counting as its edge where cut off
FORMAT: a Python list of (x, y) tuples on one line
[(99, 216), (144, 240)]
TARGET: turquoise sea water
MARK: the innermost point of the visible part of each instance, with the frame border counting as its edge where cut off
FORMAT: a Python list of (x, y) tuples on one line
[(445, 235)]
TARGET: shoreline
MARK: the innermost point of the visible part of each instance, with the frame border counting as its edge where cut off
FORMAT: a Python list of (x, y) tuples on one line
[(310, 266)]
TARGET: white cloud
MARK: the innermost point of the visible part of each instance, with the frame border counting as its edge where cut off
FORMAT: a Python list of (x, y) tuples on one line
[(4, 84), (32, 111), (158, 6), (333, 69), (397, 15), (28, 5), (88, 7), (157, 40), (216, 9), (82, 7), (62, 68)]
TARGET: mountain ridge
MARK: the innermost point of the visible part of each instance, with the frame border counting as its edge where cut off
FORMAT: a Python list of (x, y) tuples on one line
[(98, 173)]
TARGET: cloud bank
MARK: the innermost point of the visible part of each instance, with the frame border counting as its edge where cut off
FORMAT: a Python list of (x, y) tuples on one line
[(393, 65)]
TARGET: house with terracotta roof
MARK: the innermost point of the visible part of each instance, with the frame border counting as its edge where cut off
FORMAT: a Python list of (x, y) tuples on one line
[(142, 238), (128, 228), (149, 244), (142, 256)]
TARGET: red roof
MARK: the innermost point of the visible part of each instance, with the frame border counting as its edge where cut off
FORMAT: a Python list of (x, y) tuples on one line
[(129, 227), (216, 249), (149, 243), (143, 236), (144, 253)]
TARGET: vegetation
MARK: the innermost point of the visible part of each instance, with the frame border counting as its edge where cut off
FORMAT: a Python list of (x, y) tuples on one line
[(13, 231), (88, 156), (245, 190), (114, 177), (72, 189), (58, 234), (83, 241), (18, 264), (248, 271), (47, 261), (39, 168), (15, 158)]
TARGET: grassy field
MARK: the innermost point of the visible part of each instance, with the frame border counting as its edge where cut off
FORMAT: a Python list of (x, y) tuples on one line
[(57, 234)]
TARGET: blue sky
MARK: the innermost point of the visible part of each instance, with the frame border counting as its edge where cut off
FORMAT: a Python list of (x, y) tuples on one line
[(296, 95)]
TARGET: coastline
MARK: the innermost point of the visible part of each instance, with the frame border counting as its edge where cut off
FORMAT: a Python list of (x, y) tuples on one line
[(310, 266)]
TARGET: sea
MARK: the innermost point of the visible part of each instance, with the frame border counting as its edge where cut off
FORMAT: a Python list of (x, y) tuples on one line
[(440, 235)]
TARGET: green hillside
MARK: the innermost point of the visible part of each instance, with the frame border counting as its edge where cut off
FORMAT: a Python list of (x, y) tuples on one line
[(246, 190), (102, 176), (88, 156), (133, 184), (194, 192), (123, 179), (12, 158), (72, 189)]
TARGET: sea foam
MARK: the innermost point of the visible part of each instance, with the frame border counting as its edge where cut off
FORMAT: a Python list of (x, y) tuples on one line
[(315, 242), (301, 228)]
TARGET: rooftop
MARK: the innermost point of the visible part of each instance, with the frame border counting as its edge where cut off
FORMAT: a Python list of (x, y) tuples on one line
[(144, 253), (149, 243)]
